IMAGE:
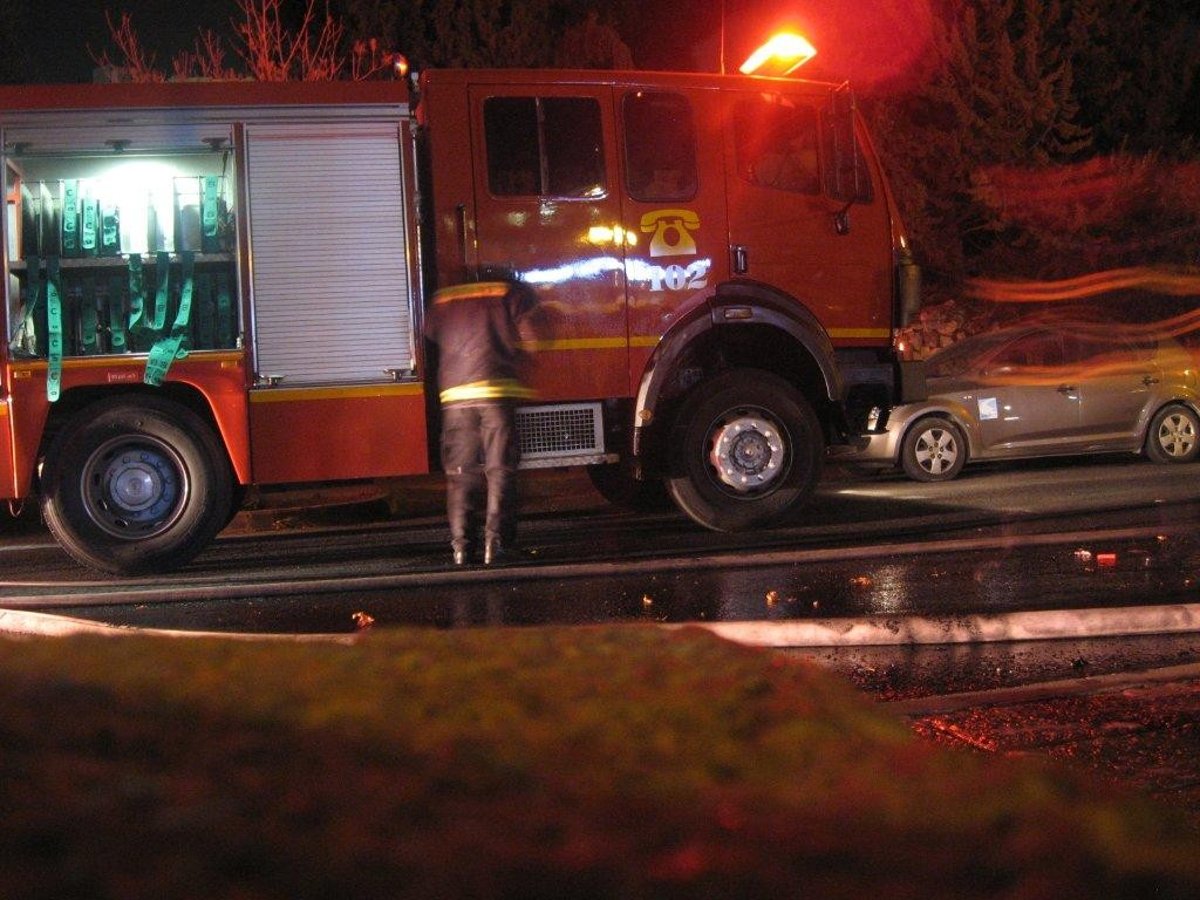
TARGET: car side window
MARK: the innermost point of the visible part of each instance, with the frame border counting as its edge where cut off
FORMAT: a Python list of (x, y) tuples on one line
[(1108, 355), (544, 146), (1040, 350)]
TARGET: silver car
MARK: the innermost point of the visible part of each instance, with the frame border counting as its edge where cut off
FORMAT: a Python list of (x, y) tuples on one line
[(1042, 390)]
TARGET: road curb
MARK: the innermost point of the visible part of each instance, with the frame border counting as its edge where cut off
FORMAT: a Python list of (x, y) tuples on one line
[(1038, 625), (24, 623), (919, 707), (828, 632)]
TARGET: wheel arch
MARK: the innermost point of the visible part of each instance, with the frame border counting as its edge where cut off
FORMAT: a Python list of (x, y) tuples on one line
[(76, 400), (743, 325), (1191, 402), (953, 412), (1145, 428)]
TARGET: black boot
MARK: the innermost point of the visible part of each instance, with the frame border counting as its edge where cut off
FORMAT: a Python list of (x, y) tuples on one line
[(493, 552)]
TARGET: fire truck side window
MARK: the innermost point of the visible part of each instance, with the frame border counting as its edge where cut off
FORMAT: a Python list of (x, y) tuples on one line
[(660, 147), (777, 145), (544, 146)]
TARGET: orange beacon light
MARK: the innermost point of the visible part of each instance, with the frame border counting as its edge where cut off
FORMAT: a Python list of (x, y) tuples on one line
[(783, 54)]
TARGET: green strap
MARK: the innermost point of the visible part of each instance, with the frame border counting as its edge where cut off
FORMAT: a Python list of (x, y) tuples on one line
[(186, 291), (162, 270), (166, 350), (70, 218), (110, 231), (116, 317), (54, 329), (33, 303), (137, 292), (209, 213), (143, 328), (89, 225)]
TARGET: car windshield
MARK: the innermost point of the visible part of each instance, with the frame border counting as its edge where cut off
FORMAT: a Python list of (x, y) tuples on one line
[(963, 357)]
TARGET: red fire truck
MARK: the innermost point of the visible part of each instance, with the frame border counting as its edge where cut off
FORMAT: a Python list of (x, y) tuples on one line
[(209, 286)]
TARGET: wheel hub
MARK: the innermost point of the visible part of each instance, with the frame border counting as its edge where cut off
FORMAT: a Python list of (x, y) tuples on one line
[(135, 483), (748, 453), (132, 492)]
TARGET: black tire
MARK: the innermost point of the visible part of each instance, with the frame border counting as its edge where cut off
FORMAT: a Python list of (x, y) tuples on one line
[(933, 450), (747, 450), (134, 486), (1174, 435), (616, 484)]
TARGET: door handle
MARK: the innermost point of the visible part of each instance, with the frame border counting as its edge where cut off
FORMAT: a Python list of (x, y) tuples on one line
[(460, 235), (741, 260), (1149, 380), (1066, 389)]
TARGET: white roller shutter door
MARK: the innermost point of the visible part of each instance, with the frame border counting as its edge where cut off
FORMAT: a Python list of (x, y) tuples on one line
[(329, 268)]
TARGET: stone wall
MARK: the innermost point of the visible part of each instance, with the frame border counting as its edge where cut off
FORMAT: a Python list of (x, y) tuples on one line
[(941, 324)]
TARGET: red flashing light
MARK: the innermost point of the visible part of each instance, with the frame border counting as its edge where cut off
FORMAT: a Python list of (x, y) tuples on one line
[(783, 54)]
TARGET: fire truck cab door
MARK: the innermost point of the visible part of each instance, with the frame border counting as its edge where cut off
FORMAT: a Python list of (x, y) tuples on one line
[(677, 253), (547, 210), (792, 225)]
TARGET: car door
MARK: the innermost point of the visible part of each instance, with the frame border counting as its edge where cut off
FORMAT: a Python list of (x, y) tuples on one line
[(1026, 398), (1117, 381)]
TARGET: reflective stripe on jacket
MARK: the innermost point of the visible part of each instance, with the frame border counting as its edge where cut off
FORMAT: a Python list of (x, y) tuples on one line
[(474, 327), (500, 389)]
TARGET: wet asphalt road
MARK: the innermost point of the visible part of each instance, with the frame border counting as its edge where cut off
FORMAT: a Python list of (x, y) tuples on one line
[(1037, 536)]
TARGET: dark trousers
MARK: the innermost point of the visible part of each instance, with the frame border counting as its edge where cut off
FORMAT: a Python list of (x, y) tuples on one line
[(480, 455)]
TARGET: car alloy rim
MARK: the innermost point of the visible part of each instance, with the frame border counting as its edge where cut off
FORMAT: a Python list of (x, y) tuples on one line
[(1176, 435), (936, 451)]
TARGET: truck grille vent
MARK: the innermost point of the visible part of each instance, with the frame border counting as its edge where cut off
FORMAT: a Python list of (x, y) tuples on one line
[(566, 429)]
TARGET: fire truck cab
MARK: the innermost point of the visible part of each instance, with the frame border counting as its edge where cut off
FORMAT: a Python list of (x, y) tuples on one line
[(210, 286)]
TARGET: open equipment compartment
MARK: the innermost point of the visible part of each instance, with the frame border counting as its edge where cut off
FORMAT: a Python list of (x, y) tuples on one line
[(119, 248)]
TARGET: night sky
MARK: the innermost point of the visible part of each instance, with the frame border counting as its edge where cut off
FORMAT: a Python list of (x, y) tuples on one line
[(679, 34), (62, 30), (863, 40)]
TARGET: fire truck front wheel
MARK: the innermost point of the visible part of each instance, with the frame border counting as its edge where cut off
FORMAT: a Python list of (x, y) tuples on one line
[(135, 486), (747, 450)]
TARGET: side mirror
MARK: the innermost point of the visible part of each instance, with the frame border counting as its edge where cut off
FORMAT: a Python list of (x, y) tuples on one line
[(846, 175)]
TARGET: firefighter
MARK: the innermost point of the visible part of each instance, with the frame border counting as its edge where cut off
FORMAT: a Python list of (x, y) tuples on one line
[(474, 327)]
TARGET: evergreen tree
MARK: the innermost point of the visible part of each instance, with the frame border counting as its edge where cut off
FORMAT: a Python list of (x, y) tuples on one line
[(1138, 74), (1000, 95), (490, 33)]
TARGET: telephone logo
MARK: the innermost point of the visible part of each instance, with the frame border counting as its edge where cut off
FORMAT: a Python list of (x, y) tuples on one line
[(672, 231)]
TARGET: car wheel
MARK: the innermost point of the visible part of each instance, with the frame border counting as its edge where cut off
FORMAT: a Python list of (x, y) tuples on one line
[(135, 486), (747, 450), (1174, 435), (934, 450)]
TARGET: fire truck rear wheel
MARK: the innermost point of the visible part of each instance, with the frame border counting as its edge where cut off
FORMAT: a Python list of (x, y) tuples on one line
[(747, 450), (136, 486)]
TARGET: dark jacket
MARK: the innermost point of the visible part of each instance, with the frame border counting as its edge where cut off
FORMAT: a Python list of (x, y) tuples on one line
[(475, 329)]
